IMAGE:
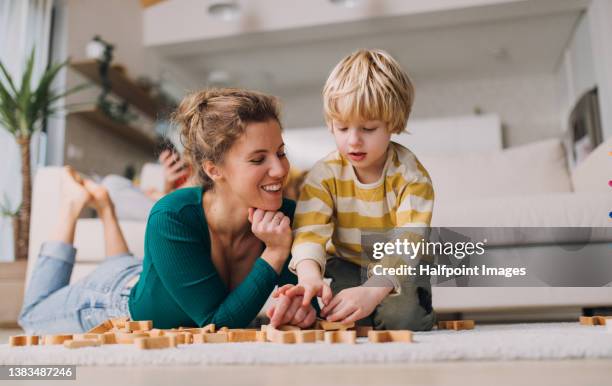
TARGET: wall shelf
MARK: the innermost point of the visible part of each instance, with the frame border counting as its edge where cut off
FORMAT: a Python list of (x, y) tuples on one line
[(142, 138), (121, 85)]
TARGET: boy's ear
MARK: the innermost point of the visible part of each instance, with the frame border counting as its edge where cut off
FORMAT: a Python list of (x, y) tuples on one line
[(211, 170)]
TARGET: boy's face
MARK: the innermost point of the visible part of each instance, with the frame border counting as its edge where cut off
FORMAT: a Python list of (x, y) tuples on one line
[(363, 143)]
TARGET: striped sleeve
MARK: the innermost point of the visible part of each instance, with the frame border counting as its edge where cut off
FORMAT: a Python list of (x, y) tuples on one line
[(313, 223)]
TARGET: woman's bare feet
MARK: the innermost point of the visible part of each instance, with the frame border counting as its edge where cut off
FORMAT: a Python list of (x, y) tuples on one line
[(74, 195), (101, 200)]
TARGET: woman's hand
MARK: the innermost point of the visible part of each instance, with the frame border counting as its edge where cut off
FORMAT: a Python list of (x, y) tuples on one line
[(274, 230), (354, 303), (289, 310)]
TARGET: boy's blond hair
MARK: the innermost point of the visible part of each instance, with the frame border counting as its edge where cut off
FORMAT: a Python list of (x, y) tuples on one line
[(369, 85)]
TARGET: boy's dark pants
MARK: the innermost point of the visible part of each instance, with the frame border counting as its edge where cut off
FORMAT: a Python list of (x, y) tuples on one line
[(410, 310)]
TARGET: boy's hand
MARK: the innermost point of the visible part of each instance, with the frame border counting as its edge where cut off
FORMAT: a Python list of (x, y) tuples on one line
[(354, 303), (289, 310), (308, 288)]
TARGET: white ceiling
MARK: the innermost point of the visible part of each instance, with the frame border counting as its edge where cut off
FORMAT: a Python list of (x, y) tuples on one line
[(286, 62)]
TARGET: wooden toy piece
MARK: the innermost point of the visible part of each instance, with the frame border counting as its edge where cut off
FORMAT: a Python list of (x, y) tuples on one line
[(587, 321), (320, 335), (209, 328), (24, 340), (305, 336), (362, 331), (71, 343), (276, 336), (211, 337), (128, 338), (119, 322), (86, 336), (601, 320), (158, 342), (288, 327), (156, 332), (463, 325), (145, 325), (180, 336), (332, 326), (444, 325), (260, 336), (242, 336), (56, 339), (108, 338), (340, 336), (223, 329), (101, 328), (404, 336)]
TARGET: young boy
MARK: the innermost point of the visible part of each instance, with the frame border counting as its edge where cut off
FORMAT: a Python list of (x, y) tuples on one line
[(369, 182)]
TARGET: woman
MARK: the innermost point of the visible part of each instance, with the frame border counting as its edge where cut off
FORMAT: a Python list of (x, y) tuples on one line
[(213, 253)]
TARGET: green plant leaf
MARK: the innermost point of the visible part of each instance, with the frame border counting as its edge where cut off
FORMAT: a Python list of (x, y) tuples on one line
[(8, 78)]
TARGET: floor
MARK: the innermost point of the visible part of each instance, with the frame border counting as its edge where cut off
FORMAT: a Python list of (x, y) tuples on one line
[(558, 373)]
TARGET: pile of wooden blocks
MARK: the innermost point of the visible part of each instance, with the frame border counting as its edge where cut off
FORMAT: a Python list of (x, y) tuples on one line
[(142, 335)]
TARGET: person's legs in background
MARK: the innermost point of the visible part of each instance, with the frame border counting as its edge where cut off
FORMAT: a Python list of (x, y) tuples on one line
[(51, 305)]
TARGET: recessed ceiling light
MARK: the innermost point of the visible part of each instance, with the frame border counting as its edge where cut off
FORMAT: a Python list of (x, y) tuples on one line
[(224, 10), (346, 3)]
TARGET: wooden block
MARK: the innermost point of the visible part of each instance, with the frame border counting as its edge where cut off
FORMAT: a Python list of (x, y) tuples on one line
[(260, 336), (119, 322), (444, 325), (320, 335), (601, 320), (223, 329), (180, 336), (70, 343), (340, 336), (379, 336), (404, 336), (305, 336), (24, 340), (128, 338), (154, 333), (463, 325), (288, 327), (242, 336), (276, 336), (209, 328), (333, 326), (108, 338), (362, 331), (210, 337), (101, 328), (587, 321), (158, 342), (144, 325), (86, 336), (56, 339)]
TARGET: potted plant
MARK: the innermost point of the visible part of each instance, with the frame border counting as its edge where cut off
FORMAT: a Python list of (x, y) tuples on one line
[(23, 109)]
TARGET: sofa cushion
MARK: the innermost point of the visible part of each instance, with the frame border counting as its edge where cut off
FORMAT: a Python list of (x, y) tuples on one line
[(593, 174), (535, 168), (544, 210)]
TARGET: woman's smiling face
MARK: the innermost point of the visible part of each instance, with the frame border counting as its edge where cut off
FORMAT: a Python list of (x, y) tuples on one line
[(256, 167)]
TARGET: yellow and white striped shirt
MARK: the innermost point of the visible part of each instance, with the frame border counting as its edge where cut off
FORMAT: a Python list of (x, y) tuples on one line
[(334, 206)]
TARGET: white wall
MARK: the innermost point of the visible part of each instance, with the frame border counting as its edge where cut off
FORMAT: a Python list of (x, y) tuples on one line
[(526, 104)]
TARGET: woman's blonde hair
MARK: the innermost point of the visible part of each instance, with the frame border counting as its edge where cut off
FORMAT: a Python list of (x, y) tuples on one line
[(211, 120), (369, 85)]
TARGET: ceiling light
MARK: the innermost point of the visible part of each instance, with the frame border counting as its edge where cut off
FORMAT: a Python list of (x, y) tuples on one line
[(224, 10), (346, 3)]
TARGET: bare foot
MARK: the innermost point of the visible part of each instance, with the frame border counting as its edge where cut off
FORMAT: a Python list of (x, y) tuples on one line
[(101, 200), (74, 195)]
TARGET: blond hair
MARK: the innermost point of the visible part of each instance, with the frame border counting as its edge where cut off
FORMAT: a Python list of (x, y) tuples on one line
[(211, 120), (369, 85)]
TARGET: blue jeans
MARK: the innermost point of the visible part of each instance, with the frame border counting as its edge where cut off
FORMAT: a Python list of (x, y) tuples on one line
[(52, 305)]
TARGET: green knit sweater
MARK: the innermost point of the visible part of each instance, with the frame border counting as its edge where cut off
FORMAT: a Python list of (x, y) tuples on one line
[(179, 284)]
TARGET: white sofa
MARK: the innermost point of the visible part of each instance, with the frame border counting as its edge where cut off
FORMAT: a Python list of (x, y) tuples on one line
[(523, 187)]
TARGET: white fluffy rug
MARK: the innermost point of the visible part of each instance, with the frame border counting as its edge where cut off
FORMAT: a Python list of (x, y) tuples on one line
[(493, 342)]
